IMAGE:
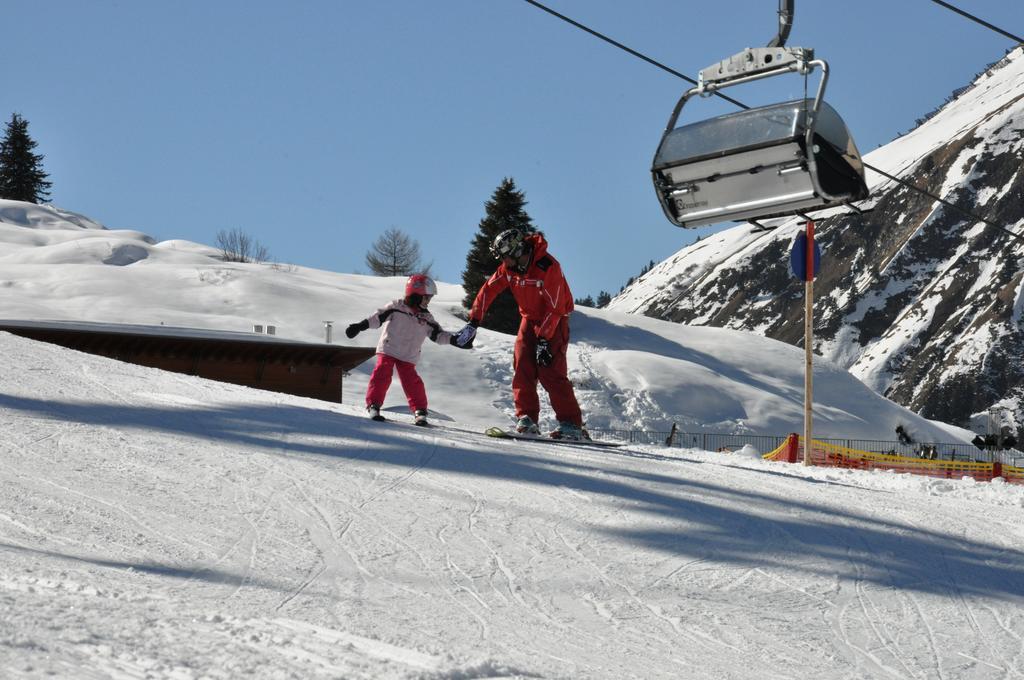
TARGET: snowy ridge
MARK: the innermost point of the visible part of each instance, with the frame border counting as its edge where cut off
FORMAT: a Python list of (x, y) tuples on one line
[(986, 100), (916, 300)]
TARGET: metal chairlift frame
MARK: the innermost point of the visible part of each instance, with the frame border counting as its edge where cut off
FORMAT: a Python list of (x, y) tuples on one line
[(750, 65)]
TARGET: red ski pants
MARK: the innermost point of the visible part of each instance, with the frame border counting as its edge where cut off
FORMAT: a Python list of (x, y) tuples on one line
[(380, 381), (553, 378)]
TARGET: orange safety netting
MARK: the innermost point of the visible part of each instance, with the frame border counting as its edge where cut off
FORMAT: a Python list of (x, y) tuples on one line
[(832, 455)]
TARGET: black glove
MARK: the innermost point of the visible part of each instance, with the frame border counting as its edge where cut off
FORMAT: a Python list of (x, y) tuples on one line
[(354, 329), (455, 343), (544, 355)]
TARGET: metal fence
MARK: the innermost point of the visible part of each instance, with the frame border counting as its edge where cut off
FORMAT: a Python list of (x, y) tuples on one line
[(709, 441)]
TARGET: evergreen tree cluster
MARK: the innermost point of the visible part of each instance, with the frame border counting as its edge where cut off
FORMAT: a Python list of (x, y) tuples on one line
[(632, 279), (21, 171), (505, 210), (603, 298)]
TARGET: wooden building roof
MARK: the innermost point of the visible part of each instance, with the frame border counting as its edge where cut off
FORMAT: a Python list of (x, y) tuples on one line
[(256, 360)]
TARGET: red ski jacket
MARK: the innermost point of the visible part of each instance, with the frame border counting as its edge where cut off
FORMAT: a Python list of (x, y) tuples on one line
[(542, 293)]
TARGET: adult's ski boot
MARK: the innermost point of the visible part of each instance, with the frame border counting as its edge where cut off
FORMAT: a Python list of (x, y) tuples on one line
[(525, 425), (569, 432)]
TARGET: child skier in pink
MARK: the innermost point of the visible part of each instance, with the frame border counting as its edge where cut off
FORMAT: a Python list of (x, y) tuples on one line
[(406, 324)]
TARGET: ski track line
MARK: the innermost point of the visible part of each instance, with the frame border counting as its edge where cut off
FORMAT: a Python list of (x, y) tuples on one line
[(684, 567), (535, 609), (87, 373), (133, 518), (1011, 633), (328, 547), (254, 542), (867, 608), (870, 612), (507, 574), (314, 573), (402, 479), (838, 623), (484, 628), (674, 623), (860, 596), (428, 569), (564, 499), (888, 641), (321, 549), (934, 645), (337, 561), (968, 612), (471, 521), (790, 586), (470, 589), (253, 529)]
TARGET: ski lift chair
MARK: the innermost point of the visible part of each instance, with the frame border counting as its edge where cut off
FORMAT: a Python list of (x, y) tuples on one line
[(772, 161)]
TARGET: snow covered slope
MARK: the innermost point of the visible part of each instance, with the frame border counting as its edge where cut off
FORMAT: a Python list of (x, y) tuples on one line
[(154, 525), (920, 302), (630, 372)]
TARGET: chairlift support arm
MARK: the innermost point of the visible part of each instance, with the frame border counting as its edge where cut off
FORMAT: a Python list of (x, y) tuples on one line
[(786, 12)]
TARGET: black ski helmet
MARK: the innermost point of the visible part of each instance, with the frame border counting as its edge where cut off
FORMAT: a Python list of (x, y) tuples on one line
[(509, 243)]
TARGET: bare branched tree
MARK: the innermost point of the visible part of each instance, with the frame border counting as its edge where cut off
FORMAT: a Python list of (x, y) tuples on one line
[(237, 246), (396, 253)]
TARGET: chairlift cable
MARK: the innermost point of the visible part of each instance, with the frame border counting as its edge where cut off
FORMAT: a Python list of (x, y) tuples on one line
[(629, 49), (946, 203), (740, 104), (975, 19)]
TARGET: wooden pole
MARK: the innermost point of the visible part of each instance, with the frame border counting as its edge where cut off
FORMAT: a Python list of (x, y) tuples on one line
[(809, 344)]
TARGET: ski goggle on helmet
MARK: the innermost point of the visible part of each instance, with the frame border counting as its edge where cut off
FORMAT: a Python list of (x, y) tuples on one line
[(508, 243), (420, 284)]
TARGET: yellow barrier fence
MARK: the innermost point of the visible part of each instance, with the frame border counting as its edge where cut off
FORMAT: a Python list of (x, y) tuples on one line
[(831, 455)]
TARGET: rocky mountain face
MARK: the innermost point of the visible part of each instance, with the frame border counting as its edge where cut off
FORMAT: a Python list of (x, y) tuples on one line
[(920, 301)]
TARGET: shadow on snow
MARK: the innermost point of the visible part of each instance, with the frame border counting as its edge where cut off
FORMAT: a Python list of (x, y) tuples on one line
[(694, 519)]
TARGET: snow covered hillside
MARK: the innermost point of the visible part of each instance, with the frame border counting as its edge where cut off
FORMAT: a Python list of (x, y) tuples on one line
[(917, 300), (631, 372), (157, 525)]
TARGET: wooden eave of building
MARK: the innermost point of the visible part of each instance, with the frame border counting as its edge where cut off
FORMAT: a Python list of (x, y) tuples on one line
[(265, 362)]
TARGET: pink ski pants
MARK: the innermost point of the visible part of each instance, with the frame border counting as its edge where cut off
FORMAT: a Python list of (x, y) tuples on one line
[(380, 381)]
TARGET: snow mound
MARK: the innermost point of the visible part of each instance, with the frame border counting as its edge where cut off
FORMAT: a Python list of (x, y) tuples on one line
[(21, 214)]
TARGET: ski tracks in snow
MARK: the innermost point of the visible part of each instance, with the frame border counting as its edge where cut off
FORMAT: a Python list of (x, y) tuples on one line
[(892, 616)]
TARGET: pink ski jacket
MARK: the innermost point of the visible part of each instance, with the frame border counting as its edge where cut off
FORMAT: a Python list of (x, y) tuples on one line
[(405, 329)]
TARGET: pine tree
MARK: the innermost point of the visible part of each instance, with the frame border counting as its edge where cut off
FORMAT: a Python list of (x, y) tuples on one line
[(504, 211), (21, 171)]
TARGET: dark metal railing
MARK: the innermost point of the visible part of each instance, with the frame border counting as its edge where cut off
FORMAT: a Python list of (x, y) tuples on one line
[(711, 441)]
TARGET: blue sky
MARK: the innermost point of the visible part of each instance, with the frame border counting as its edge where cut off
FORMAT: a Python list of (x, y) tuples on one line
[(316, 125)]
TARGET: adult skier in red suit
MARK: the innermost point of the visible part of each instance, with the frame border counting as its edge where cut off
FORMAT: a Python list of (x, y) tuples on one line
[(536, 281)]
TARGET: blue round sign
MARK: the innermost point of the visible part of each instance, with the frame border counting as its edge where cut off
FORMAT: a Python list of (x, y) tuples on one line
[(798, 257)]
